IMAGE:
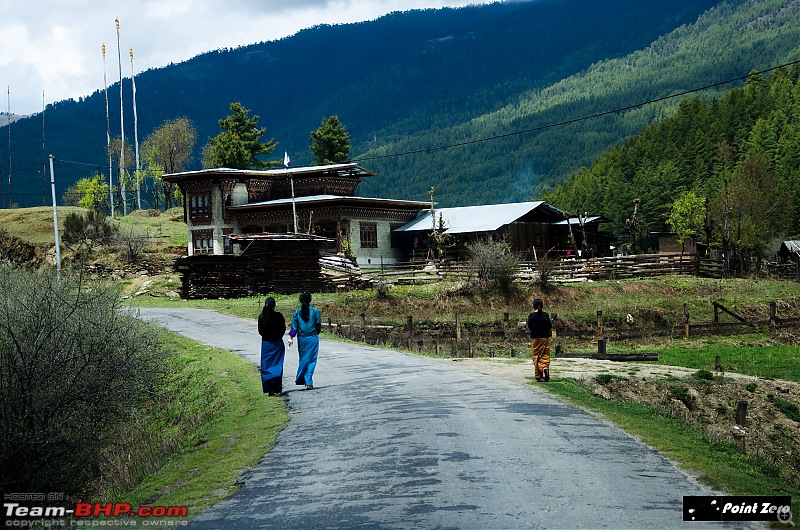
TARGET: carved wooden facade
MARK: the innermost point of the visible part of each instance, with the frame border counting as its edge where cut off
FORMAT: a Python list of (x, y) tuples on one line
[(318, 200)]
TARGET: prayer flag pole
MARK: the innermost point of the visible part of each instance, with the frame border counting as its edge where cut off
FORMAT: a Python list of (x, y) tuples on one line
[(136, 137), (108, 141), (291, 183), (122, 131)]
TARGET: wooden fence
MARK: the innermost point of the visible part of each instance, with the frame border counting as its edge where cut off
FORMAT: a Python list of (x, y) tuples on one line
[(634, 266), (506, 338)]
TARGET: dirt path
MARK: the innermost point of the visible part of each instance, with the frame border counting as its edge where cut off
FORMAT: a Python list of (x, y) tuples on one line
[(519, 369)]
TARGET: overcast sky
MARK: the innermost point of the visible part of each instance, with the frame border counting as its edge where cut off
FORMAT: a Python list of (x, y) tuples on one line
[(55, 46)]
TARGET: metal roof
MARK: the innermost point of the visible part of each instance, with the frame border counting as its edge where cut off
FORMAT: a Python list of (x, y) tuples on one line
[(576, 221), (487, 218), (349, 169), (793, 245), (326, 199)]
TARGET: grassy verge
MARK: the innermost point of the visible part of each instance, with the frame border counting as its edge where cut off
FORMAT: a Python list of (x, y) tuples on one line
[(772, 362), (241, 427), (720, 466)]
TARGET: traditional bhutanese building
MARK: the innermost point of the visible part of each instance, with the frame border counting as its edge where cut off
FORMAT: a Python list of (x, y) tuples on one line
[(318, 200)]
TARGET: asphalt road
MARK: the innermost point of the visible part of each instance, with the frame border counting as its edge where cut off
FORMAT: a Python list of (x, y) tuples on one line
[(392, 440)]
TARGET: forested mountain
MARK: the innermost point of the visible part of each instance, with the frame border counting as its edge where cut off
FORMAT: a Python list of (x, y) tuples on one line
[(728, 41), (406, 75), (424, 79), (737, 158)]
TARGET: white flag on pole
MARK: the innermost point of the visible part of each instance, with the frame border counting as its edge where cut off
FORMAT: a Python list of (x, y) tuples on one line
[(286, 159)]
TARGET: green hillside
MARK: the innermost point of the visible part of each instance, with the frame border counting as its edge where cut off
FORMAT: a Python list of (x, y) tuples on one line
[(726, 42), (413, 74), (738, 154)]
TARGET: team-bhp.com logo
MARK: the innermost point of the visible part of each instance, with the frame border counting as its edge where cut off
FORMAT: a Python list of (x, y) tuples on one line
[(746, 508), (17, 515)]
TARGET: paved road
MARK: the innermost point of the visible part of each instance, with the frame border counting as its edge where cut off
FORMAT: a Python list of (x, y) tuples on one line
[(391, 440)]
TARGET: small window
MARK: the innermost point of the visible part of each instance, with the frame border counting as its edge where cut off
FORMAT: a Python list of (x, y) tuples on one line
[(203, 242), (200, 207), (369, 235)]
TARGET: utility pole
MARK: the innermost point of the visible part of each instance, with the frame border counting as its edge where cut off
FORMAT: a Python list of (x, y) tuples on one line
[(10, 185), (55, 221), (43, 167)]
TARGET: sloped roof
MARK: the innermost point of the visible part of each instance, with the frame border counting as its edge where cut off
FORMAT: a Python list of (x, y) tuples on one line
[(325, 200), (793, 245), (576, 221), (342, 170), (487, 218)]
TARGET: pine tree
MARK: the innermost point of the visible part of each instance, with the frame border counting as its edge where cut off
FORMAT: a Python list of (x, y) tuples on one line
[(330, 143), (239, 143)]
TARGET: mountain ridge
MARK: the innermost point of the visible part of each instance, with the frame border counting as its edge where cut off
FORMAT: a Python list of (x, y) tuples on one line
[(402, 81)]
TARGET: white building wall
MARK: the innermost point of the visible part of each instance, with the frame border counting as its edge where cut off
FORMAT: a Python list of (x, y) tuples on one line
[(373, 257)]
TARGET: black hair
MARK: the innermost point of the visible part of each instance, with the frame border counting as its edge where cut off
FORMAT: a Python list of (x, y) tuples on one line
[(537, 303), (269, 305), (305, 301)]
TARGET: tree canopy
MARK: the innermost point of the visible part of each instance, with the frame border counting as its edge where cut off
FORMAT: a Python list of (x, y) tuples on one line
[(239, 144), (330, 143)]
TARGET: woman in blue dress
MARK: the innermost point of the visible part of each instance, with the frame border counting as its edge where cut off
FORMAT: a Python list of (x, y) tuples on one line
[(271, 327), (306, 325)]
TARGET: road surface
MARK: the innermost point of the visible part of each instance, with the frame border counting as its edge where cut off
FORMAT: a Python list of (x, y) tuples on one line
[(392, 440)]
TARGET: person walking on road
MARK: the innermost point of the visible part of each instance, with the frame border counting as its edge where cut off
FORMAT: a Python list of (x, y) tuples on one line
[(271, 327), (540, 326), (306, 325)]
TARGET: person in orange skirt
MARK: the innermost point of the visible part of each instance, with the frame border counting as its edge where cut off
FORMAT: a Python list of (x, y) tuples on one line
[(540, 326)]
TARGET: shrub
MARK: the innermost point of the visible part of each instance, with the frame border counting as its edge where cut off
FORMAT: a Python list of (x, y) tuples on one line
[(494, 263), (603, 379), (681, 393), (545, 268), (704, 375), (91, 229), (72, 367)]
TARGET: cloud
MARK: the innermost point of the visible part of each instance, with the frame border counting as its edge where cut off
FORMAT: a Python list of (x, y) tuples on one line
[(56, 46)]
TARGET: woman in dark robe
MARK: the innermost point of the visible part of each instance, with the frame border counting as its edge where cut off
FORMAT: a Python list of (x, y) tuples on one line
[(271, 327)]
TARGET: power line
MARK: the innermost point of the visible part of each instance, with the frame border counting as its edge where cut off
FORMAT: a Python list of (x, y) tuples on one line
[(574, 120)]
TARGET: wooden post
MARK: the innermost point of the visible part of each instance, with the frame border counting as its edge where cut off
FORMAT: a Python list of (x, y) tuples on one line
[(599, 323), (438, 347), (363, 327), (642, 328), (601, 346), (454, 348), (741, 413), (330, 326), (686, 321), (513, 352), (491, 352), (352, 332), (553, 332), (469, 348), (410, 323), (458, 328), (773, 313), (339, 329), (505, 324)]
